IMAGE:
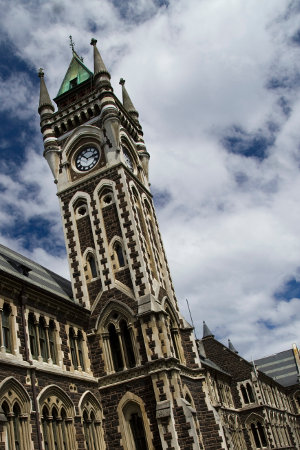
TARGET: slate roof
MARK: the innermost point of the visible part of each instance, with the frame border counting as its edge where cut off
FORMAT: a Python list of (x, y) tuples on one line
[(23, 268), (281, 367)]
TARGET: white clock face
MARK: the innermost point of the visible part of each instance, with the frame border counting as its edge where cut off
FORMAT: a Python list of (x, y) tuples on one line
[(128, 160), (87, 159)]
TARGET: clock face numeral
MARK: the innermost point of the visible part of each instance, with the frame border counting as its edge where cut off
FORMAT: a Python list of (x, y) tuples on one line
[(128, 160), (87, 159)]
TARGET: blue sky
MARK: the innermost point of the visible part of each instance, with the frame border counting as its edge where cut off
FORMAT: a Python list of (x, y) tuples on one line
[(217, 86)]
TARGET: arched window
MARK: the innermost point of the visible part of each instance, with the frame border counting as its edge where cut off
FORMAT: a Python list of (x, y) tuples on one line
[(127, 344), (138, 431), (42, 339), (6, 327), (258, 433), (83, 117), (80, 349), (63, 127), (58, 429), (119, 254), (17, 432), (32, 336), (15, 403), (70, 124), (56, 131), (92, 422), (250, 393), (92, 266), (73, 349), (45, 419), (119, 341), (77, 121), (90, 112), (115, 348), (134, 424), (244, 394), (52, 342), (174, 334), (97, 110)]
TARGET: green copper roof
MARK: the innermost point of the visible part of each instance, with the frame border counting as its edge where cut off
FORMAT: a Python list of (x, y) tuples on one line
[(77, 73)]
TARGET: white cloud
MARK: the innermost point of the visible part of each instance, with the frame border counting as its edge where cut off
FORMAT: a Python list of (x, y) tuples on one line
[(194, 70)]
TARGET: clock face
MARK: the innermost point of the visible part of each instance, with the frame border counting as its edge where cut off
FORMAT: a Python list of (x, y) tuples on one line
[(128, 160), (87, 159)]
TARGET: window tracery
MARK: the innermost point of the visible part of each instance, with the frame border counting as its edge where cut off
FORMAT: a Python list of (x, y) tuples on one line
[(15, 403), (5, 323), (134, 424), (76, 349), (57, 419), (119, 341), (257, 431), (247, 393), (92, 422)]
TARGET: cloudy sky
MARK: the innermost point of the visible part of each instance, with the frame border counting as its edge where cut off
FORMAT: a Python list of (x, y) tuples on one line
[(217, 86)]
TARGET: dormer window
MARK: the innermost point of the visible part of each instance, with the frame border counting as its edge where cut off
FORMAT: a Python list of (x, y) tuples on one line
[(73, 83)]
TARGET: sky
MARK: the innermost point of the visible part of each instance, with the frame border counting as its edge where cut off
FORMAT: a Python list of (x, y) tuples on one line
[(217, 87)]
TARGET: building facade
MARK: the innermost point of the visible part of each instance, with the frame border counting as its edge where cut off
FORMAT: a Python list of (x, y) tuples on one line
[(108, 361)]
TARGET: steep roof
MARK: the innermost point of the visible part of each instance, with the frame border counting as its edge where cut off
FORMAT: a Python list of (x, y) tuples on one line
[(78, 72), (23, 268)]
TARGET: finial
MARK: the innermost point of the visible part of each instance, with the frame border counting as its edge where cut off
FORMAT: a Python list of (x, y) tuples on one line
[(93, 41), (41, 73), (72, 43), (122, 81)]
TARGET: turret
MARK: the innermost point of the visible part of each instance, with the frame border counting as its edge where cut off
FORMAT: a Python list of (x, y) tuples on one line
[(206, 331), (231, 347), (46, 110), (45, 104), (101, 75)]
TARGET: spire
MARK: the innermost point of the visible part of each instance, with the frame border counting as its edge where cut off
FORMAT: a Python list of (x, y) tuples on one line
[(99, 66), (231, 347), (127, 103), (206, 330), (44, 95)]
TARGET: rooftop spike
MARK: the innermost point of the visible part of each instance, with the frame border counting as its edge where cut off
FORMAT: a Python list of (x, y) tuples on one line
[(231, 347), (99, 66), (44, 95), (127, 103), (206, 330)]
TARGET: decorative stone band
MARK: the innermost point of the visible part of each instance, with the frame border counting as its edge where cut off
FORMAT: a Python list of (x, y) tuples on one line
[(149, 368)]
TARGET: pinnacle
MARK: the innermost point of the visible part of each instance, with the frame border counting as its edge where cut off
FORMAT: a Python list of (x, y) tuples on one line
[(127, 103), (99, 66), (206, 330), (231, 346), (44, 95)]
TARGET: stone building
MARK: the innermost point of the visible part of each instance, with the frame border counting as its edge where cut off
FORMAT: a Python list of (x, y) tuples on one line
[(107, 361)]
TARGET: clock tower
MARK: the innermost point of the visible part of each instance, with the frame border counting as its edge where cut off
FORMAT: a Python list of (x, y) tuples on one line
[(95, 148)]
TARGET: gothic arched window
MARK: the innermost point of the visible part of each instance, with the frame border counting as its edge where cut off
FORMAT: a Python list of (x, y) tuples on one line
[(92, 422), (250, 393), (51, 333), (138, 431), (115, 348), (80, 349), (174, 334), (57, 419), (119, 253), (6, 338), (127, 344), (92, 266), (16, 407), (73, 349), (244, 394), (43, 341), (32, 336)]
